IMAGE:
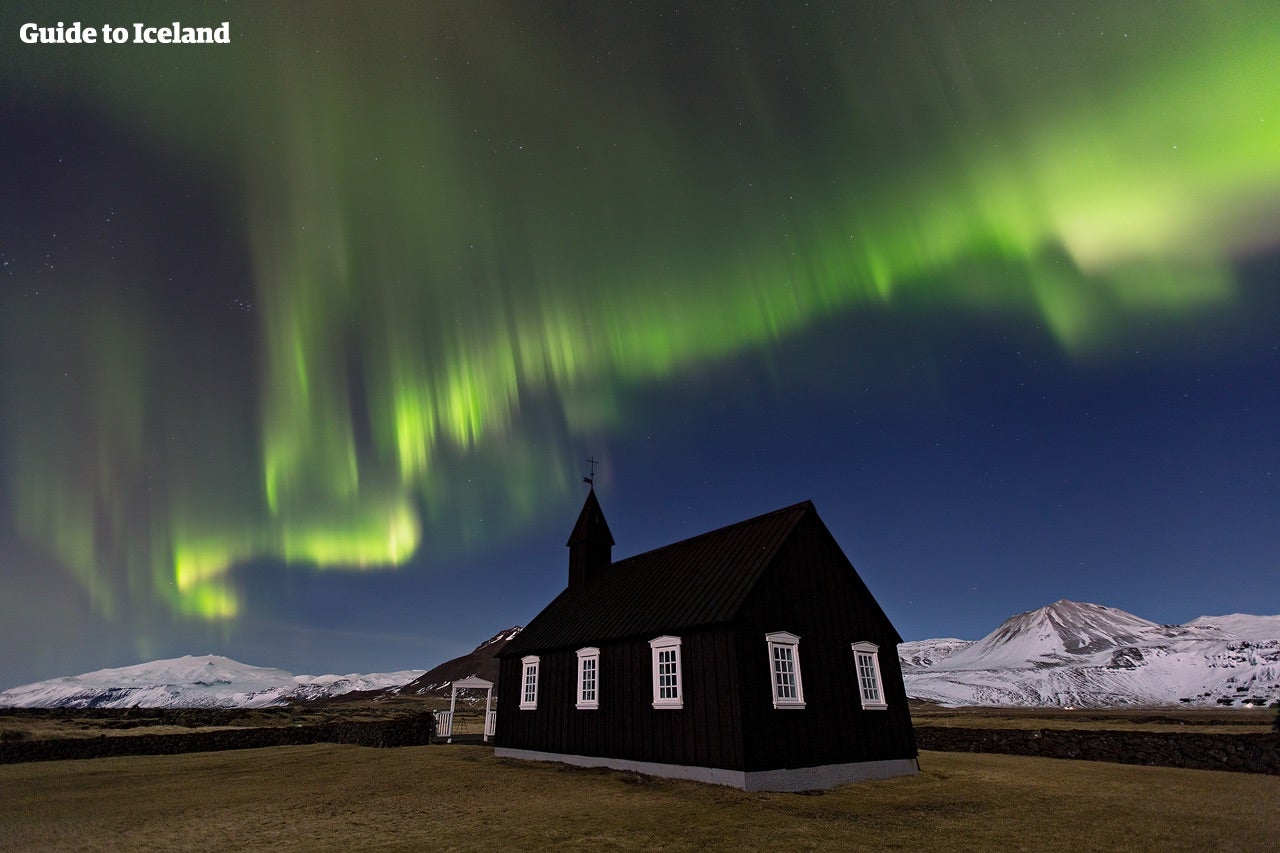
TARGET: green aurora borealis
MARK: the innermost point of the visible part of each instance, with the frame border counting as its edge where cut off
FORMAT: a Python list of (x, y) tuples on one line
[(473, 228)]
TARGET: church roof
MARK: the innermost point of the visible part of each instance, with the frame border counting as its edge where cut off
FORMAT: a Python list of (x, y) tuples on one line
[(699, 581)]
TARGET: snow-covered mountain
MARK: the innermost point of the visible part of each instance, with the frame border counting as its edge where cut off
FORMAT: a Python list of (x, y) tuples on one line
[(1242, 625), (1065, 654), (209, 681), (1087, 655), (478, 662), (925, 653)]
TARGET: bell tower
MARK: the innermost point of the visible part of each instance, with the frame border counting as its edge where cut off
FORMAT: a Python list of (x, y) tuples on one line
[(590, 543)]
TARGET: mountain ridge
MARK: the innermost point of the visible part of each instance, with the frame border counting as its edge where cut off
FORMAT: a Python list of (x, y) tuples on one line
[(1065, 654), (214, 681), (1078, 654), (192, 681), (480, 663)]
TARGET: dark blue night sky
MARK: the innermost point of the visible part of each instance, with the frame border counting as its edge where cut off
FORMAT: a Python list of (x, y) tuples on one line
[(305, 339)]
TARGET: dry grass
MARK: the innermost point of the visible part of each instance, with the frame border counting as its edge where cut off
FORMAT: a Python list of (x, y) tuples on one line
[(33, 725), (462, 798), (38, 729), (1218, 721), (36, 724)]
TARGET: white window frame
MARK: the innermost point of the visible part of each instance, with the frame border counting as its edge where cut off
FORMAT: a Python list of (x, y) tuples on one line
[(785, 643), (869, 651), (659, 645), (529, 682), (591, 656)]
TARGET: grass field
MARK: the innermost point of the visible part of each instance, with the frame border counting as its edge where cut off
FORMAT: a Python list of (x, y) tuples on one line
[(462, 798), (36, 725), (1213, 720)]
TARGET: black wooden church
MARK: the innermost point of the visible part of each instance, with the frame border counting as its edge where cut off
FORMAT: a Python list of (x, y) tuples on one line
[(751, 656)]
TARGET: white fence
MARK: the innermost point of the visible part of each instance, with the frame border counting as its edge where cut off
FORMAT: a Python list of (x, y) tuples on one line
[(444, 724)]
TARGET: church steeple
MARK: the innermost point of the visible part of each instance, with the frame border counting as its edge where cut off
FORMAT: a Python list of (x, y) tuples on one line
[(590, 543)]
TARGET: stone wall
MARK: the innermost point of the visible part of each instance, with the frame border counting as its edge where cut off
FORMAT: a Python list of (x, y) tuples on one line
[(1246, 753), (402, 731)]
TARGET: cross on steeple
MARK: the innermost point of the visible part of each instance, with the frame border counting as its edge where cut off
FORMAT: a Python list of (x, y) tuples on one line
[(591, 480)]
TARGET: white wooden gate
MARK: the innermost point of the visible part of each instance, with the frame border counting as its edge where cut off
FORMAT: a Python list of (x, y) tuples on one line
[(444, 719)]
